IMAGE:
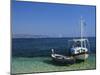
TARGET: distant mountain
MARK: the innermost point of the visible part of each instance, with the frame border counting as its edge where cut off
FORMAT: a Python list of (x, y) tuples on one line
[(29, 36)]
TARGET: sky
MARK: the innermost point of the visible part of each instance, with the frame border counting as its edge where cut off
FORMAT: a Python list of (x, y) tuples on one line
[(52, 19)]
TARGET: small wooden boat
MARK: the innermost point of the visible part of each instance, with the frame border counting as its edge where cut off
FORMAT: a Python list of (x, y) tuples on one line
[(62, 59)]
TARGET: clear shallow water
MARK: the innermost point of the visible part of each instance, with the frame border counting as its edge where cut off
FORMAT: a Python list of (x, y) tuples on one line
[(45, 64)]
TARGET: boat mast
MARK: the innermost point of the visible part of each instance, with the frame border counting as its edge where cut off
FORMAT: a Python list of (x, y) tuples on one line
[(81, 31)]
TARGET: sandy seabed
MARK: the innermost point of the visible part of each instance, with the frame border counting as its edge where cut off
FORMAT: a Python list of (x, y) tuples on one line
[(45, 64)]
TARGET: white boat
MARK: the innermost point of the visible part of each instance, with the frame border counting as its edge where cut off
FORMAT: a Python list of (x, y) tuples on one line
[(80, 47)]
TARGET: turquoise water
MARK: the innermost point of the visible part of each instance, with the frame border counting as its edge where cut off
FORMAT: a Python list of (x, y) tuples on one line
[(45, 64)]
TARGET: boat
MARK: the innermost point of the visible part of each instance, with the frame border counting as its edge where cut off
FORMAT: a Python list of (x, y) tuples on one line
[(61, 58), (80, 47), (79, 50)]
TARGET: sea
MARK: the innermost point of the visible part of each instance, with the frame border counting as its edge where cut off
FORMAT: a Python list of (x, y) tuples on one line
[(32, 55)]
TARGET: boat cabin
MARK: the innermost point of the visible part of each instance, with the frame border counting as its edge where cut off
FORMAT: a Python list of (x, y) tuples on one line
[(78, 46)]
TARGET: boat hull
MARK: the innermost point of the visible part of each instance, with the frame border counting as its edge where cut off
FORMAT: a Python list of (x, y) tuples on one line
[(62, 59), (81, 56)]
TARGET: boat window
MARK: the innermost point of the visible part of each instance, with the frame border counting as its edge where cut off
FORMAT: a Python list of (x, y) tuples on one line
[(73, 44), (77, 44), (84, 43)]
